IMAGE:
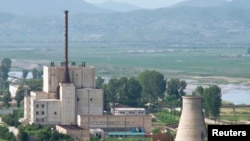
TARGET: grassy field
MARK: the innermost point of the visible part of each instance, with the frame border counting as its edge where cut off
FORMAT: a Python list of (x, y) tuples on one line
[(236, 115), (129, 61)]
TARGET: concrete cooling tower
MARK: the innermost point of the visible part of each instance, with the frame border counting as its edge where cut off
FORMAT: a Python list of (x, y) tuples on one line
[(191, 125)]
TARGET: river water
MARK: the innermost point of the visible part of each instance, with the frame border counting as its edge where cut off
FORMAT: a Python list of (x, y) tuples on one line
[(237, 94)]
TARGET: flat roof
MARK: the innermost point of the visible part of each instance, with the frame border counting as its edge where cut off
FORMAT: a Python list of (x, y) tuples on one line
[(124, 133), (47, 100), (71, 127), (131, 109)]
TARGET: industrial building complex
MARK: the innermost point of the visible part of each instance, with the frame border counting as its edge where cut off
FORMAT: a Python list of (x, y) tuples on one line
[(71, 102)]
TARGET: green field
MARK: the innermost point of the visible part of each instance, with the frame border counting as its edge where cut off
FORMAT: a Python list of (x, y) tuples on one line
[(237, 115), (129, 61)]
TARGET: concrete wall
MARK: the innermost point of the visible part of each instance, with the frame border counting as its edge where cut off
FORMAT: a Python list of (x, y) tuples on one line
[(77, 134), (53, 112), (27, 107), (38, 95), (40, 111), (67, 97), (82, 77), (89, 101), (115, 123), (191, 125)]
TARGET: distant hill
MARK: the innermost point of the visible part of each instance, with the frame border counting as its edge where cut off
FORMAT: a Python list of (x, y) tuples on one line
[(118, 6), (179, 25), (239, 4), (202, 3), (47, 7)]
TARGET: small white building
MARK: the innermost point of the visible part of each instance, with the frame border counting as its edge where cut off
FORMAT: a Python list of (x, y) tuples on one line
[(129, 111), (13, 87), (120, 109)]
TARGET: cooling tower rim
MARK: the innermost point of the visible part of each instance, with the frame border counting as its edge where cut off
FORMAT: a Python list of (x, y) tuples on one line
[(191, 97)]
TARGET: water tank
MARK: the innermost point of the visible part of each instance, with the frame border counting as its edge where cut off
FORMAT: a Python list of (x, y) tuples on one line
[(191, 125)]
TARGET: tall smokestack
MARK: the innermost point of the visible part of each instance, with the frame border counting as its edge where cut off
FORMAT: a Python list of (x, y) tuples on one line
[(66, 75)]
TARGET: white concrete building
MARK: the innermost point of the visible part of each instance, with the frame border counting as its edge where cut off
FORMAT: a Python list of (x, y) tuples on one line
[(70, 99), (129, 111), (13, 87), (60, 103)]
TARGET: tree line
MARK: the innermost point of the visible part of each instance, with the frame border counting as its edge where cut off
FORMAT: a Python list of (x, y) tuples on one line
[(34, 83), (151, 87)]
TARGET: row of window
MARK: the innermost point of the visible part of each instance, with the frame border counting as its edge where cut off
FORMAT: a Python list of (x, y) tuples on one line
[(37, 113), (42, 113), (130, 112), (40, 120), (39, 105)]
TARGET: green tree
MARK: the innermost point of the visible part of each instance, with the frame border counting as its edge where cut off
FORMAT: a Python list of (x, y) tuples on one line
[(198, 91), (4, 86), (25, 73), (111, 93), (33, 84), (212, 101), (13, 119), (124, 91), (5, 134), (20, 94), (22, 135), (40, 73), (43, 135), (6, 99), (133, 92), (35, 73), (5, 68), (99, 82), (176, 87), (130, 92), (153, 85)]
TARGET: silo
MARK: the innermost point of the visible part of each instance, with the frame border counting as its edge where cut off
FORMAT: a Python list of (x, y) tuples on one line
[(191, 125)]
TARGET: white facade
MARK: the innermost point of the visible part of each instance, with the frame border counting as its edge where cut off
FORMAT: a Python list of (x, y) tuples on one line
[(13, 89), (60, 103), (129, 111), (78, 103)]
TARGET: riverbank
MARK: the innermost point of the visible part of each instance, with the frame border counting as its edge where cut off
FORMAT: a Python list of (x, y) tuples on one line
[(234, 90)]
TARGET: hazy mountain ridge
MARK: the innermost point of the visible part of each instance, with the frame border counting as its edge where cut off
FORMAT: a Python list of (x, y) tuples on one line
[(201, 3), (47, 7), (173, 25), (118, 6)]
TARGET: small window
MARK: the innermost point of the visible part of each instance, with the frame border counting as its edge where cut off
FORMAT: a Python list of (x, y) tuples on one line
[(37, 113), (42, 120), (37, 105), (42, 112), (55, 113), (42, 105), (90, 99)]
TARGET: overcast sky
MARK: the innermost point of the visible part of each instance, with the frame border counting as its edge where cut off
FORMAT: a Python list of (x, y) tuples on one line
[(142, 3)]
